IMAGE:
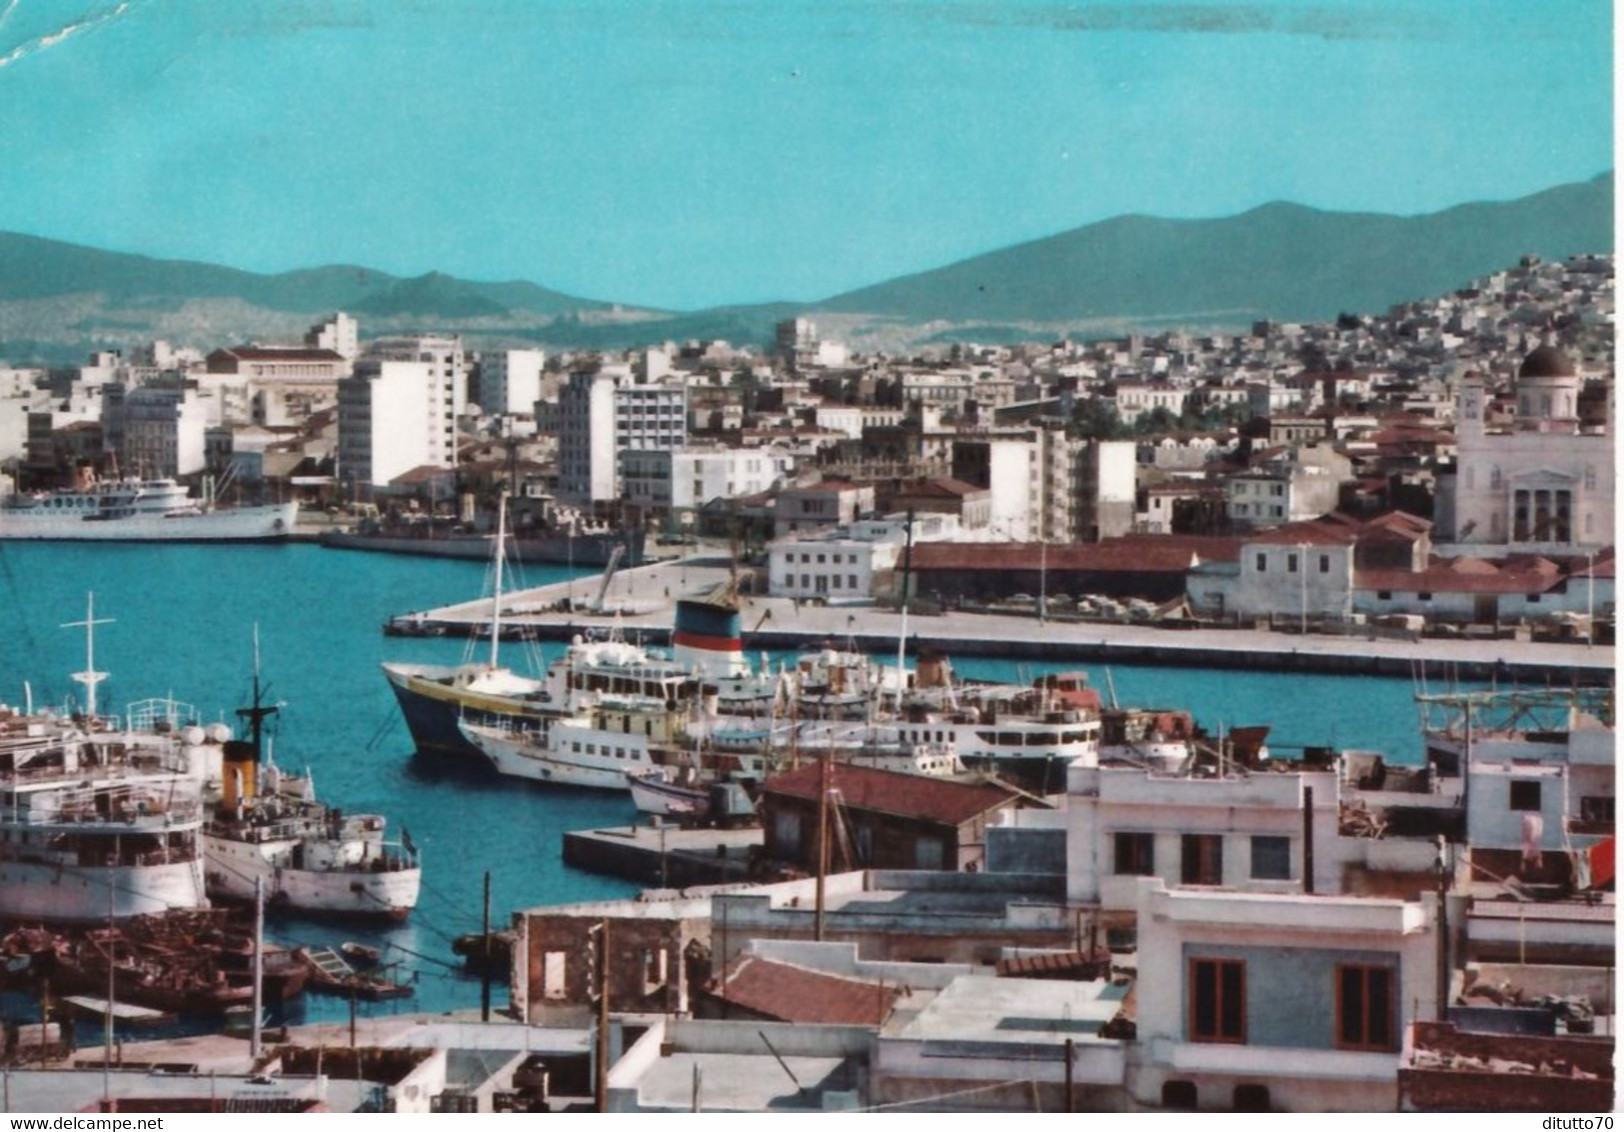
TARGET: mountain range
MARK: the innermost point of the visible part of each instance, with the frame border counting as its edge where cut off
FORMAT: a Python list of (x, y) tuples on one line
[(1279, 261)]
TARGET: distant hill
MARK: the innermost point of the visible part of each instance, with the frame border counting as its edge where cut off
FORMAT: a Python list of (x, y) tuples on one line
[(1280, 261)]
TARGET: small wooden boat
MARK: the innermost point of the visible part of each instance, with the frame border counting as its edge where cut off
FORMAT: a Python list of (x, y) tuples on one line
[(331, 974), (360, 954)]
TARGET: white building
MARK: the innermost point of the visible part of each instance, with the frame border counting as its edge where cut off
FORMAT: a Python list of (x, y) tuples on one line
[(853, 562), (1245, 832), (1303, 486), (1136, 399), (389, 421), (1542, 486), (163, 432), (341, 334), (672, 484), (447, 394), (510, 381), (602, 416)]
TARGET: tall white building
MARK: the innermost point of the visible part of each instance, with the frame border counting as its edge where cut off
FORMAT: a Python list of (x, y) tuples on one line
[(1542, 485), (447, 394), (510, 381), (605, 414), (389, 421), (163, 432)]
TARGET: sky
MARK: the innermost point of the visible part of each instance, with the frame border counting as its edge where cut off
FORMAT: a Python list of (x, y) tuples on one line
[(687, 153)]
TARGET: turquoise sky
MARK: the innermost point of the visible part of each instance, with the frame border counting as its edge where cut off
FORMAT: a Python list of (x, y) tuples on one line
[(690, 153)]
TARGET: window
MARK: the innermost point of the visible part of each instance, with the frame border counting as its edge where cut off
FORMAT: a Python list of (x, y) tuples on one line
[(1262, 563), (1202, 859), (1291, 563), (1385, 595), (1593, 808), (1271, 858), (1325, 564), (1135, 854), (1525, 795), (1364, 1007), (1217, 1000), (1424, 595)]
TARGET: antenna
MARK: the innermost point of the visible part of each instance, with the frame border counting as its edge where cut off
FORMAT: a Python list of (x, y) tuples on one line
[(89, 677)]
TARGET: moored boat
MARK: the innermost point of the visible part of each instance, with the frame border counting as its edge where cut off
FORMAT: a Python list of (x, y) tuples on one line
[(139, 510), (268, 835), (97, 820)]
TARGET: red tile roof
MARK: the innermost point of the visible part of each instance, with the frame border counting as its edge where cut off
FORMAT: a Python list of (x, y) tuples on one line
[(1140, 553), (798, 994), (1446, 578), (915, 796)]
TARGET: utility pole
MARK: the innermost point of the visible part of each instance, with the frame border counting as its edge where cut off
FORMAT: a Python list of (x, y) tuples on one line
[(485, 957), (601, 1084), (259, 967), (823, 841), (1442, 928)]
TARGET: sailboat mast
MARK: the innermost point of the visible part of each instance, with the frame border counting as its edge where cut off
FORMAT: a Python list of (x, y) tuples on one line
[(501, 558)]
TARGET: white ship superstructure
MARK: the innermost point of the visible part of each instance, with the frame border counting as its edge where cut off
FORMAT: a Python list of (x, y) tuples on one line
[(95, 821)]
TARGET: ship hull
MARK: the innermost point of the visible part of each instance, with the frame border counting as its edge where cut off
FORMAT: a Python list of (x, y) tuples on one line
[(234, 865), (593, 549), (560, 757), (432, 707), (271, 523)]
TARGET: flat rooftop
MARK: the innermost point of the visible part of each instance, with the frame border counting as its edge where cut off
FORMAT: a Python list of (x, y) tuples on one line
[(736, 1082)]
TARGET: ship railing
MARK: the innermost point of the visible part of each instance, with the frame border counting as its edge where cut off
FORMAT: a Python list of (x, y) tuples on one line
[(159, 714), (146, 814), (258, 834)]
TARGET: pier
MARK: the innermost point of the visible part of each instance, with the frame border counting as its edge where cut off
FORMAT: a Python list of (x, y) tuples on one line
[(665, 855), (639, 603)]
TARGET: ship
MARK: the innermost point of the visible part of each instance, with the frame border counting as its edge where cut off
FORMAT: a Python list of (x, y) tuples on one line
[(139, 510), (96, 822), (708, 659), (553, 539), (269, 837), (593, 747), (99, 820)]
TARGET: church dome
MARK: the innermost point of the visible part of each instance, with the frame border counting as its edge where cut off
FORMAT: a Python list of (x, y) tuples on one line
[(1546, 361)]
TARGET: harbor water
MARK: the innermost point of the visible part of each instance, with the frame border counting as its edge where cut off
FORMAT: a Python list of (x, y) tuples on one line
[(182, 624)]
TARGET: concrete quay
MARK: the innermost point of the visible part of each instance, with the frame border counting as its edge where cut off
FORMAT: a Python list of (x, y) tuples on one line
[(639, 604)]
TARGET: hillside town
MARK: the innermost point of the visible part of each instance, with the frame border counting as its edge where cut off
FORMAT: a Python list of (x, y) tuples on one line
[(1450, 462)]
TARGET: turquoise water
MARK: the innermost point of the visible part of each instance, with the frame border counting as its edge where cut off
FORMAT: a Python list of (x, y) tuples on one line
[(182, 624)]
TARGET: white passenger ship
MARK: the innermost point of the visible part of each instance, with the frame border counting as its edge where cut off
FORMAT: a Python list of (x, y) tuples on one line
[(139, 510)]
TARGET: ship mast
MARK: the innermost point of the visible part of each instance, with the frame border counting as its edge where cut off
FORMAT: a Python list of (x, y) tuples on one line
[(89, 677), (501, 556), (255, 714)]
